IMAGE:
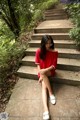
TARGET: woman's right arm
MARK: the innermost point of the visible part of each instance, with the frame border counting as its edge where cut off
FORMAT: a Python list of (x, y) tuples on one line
[(39, 75), (38, 67), (37, 62), (37, 58)]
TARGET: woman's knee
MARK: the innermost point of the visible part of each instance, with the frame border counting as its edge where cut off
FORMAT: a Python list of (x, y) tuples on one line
[(43, 75), (46, 74)]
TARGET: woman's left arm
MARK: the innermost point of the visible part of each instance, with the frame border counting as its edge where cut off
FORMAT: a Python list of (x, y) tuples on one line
[(42, 71)]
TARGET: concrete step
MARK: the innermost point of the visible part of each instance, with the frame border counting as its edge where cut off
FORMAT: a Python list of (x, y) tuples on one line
[(54, 26), (63, 52), (55, 11), (55, 36), (63, 64), (62, 76), (56, 17), (58, 44), (56, 14), (52, 30)]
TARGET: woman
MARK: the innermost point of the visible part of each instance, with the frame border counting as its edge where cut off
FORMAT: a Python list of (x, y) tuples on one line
[(46, 60)]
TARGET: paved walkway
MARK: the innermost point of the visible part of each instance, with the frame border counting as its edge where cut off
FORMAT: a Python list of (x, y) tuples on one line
[(26, 102)]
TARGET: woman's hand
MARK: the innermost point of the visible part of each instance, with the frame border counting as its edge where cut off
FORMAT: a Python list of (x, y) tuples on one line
[(42, 71), (40, 79)]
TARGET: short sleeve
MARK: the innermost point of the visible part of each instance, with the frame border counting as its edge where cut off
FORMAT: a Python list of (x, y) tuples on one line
[(37, 58), (55, 59)]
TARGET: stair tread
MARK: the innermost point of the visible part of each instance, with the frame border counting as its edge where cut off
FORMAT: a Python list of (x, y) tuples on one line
[(55, 41), (53, 9), (60, 50), (55, 27), (51, 24), (59, 36), (57, 14), (41, 34), (63, 74), (66, 61)]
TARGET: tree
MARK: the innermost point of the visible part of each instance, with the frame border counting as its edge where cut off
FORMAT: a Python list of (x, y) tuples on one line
[(17, 14), (9, 14)]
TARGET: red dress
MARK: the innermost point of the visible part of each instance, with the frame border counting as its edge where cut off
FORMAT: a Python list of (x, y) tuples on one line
[(50, 59)]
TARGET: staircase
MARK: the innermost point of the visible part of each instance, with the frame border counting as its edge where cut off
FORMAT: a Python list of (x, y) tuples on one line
[(57, 25)]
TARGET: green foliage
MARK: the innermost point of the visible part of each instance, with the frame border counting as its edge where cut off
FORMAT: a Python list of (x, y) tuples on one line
[(74, 12), (47, 4), (11, 53), (75, 34), (25, 12), (5, 32)]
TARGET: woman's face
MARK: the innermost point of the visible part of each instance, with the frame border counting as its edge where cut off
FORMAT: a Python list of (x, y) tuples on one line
[(48, 45)]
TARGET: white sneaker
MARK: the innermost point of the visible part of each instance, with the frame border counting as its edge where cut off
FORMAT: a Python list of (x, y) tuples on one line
[(53, 99), (46, 115)]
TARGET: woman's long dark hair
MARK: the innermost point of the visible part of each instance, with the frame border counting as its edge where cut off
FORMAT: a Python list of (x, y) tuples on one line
[(44, 40)]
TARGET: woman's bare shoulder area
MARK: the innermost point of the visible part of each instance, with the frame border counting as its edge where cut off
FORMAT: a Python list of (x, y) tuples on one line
[(38, 50), (53, 50)]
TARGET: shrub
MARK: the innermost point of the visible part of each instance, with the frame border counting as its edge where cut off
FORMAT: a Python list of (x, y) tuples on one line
[(11, 53), (74, 12), (75, 35)]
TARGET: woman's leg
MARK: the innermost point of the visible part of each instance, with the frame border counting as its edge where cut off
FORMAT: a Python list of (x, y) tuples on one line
[(44, 96), (47, 83), (46, 86)]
